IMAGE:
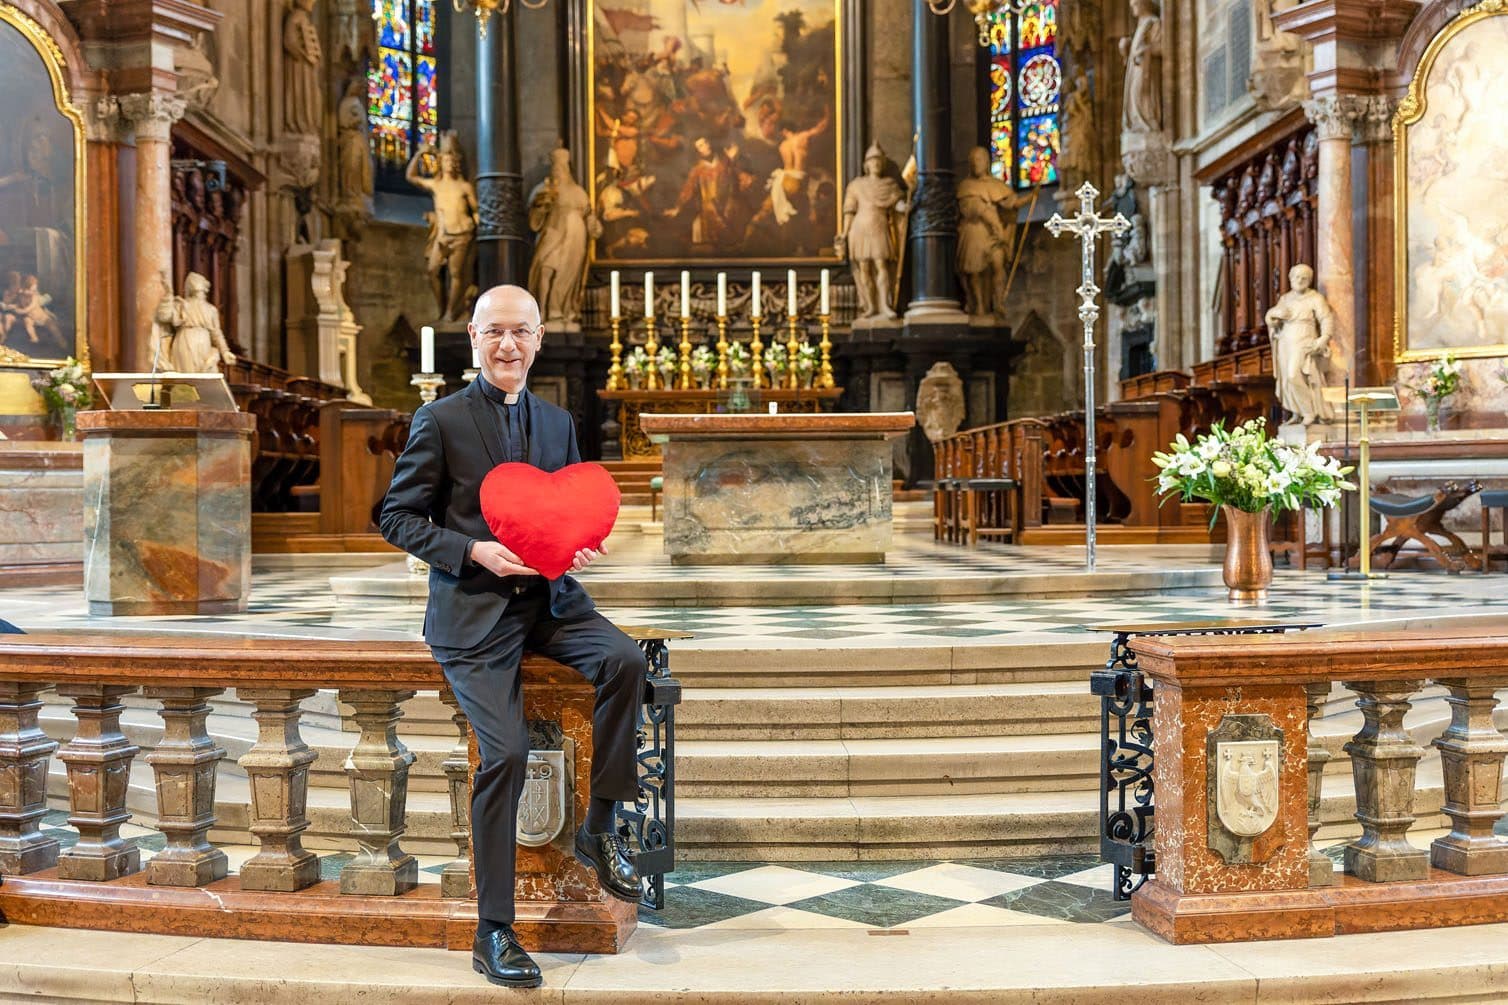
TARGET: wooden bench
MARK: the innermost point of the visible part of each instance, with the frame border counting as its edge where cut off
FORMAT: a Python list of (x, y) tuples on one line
[(183, 890)]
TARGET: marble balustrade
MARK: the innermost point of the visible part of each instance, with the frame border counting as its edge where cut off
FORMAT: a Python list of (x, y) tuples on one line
[(1222, 878)]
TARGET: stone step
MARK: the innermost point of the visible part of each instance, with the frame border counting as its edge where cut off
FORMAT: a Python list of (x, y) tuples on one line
[(915, 766), (879, 712)]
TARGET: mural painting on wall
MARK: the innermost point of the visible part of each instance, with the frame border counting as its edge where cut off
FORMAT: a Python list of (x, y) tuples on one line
[(716, 129), (1452, 257), (39, 209)]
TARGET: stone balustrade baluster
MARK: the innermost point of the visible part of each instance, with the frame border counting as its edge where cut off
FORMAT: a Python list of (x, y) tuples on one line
[(1471, 752), (99, 774), (1321, 869), (184, 764), (455, 879), (378, 772), (1384, 759), (277, 766), (24, 753)]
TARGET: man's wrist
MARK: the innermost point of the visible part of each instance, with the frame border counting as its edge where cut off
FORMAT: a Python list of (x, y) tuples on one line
[(466, 556)]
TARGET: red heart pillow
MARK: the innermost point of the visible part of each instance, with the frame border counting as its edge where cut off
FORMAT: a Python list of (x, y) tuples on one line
[(546, 517)]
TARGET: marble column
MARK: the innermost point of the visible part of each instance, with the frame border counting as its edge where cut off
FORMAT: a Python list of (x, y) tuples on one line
[(152, 116), (933, 237), (99, 772), (502, 231), (24, 754), (377, 769), (184, 763), (1384, 760), (277, 767), (1335, 117), (1375, 304), (1321, 869), (1471, 752)]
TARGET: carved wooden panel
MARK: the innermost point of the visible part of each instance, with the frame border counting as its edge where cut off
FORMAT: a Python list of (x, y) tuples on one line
[(207, 203)]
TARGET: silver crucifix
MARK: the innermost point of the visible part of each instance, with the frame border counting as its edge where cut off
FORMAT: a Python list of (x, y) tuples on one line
[(1088, 225)]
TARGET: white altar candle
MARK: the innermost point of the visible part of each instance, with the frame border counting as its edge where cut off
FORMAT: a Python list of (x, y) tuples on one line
[(685, 294), (824, 310), (754, 297), (790, 292), (774, 408), (476, 358), (614, 286), (722, 294), (426, 349), (649, 294)]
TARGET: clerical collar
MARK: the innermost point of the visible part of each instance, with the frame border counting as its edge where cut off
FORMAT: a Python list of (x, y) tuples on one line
[(498, 394)]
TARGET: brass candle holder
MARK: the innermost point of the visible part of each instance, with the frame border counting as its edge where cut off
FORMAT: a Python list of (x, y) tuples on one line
[(792, 347), (825, 375), (651, 350), (722, 352), (615, 372), (470, 374), (429, 385), (685, 350), (756, 353)]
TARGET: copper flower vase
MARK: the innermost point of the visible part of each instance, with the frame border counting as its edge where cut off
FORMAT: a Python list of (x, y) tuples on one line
[(1248, 556)]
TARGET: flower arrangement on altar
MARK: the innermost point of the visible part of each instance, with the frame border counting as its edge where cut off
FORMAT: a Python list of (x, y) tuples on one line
[(668, 365), (65, 390), (738, 359), (775, 362), (704, 366), (635, 366), (1441, 380), (806, 364)]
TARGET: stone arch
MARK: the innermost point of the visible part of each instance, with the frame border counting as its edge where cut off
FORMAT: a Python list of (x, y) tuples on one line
[(1042, 375)]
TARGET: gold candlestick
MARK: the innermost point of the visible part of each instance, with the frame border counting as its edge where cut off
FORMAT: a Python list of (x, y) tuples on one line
[(429, 385), (722, 352), (756, 354), (615, 372), (791, 348), (685, 348), (651, 350), (825, 378)]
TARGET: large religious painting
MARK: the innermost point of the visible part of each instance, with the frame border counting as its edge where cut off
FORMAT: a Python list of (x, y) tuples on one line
[(716, 129), (1452, 194)]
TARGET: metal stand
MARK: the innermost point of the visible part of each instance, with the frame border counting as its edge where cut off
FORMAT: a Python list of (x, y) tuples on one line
[(1362, 401)]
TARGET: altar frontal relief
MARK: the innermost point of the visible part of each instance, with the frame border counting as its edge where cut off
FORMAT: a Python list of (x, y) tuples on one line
[(716, 129), (39, 195), (1452, 133)]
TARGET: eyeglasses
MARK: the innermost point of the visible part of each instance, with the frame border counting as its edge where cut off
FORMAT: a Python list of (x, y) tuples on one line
[(520, 336)]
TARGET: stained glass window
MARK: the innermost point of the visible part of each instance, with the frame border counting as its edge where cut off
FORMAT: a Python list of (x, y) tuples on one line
[(1026, 90), (403, 82)]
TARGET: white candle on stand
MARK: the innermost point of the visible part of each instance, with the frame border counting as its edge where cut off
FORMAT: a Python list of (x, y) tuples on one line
[(824, 311), (754, 297), (614, 286), (426, 349), (774, 408), (685, 294), (649, 294), (722, 294), (476, 358), (790, 292)]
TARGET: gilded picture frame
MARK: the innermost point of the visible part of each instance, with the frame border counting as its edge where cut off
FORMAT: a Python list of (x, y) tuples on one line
[(1451, 224), (41, 322), (757, 80)]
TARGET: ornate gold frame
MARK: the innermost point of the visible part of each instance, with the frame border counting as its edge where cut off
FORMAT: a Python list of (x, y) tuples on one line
[(52, 57), (839, 117), (1410, 111)]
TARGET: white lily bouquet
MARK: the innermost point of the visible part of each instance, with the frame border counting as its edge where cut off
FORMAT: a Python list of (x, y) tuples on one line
[(635, 365), (704, 365), (1245, 469)]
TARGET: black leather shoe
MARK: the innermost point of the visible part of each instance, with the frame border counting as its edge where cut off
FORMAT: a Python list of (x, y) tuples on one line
[(498, 957), (608, 855)]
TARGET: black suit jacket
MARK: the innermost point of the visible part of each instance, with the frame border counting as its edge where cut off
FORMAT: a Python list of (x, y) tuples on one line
[(433, 509)]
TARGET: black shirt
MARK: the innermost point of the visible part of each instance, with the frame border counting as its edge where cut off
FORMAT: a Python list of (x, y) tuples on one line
[(510, 414)]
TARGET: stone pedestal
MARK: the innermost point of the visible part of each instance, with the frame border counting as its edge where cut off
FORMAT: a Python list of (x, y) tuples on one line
[(167, 516), (41, 508), (777, 489)]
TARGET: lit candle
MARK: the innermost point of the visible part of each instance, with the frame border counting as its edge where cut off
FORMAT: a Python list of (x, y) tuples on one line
[(426, 349), (476, 358), (790, 292), (614, 278), (649, 294), (685, 294), (722, 294), (824, 311), (754, 297)]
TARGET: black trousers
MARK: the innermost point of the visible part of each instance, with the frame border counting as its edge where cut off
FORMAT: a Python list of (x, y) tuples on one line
[(489, 688)]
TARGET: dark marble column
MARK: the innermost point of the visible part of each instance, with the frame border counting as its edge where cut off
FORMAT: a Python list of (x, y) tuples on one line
[(502, 238), (933, 237)]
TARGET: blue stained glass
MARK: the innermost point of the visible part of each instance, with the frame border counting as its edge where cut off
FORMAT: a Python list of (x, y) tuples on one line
[(403, 81), (1026, 89), (1040, 140), (393, 31), (424, 21)]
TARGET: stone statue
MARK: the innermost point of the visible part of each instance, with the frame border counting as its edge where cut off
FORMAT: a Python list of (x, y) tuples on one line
[(1143, 52), (1300, 325), (873, 208), (354, 145), (452, 224), (190, 326), (1129, 248), (303, 99), (940, 406), (1078, 159), (986, 236), (197, 82), (560, 212)]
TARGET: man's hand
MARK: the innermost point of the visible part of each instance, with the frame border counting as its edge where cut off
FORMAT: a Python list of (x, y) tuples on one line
[(586, 556), (498, 560)]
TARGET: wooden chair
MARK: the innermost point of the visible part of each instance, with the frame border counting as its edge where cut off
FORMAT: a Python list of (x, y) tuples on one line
[(1491, 500), (989, 509), (1417, 518)]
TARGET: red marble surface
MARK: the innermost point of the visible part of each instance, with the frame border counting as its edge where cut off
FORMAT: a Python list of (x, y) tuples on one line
[(105, 422)]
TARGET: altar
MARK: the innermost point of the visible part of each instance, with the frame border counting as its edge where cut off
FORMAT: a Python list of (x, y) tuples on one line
[(757, 489)]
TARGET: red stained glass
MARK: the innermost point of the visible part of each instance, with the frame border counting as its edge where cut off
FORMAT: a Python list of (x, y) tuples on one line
[(424, 22), (1026, 84), (1039, 25), (1040, 140)]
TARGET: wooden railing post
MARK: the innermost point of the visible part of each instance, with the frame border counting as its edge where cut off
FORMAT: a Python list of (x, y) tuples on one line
[(455, 879), (99, 773), (278, 768), (1384, 759), (378, 771), (1471, 752), (24, 753), (1321, 869), (184, 764)]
